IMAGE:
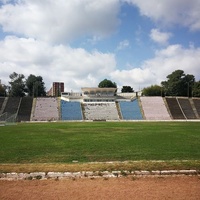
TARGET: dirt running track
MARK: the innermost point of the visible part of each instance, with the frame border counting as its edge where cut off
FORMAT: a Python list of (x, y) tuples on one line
[(152, 188)]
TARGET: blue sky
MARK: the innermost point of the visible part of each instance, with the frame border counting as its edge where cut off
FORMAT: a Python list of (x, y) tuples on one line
[(81, 42)]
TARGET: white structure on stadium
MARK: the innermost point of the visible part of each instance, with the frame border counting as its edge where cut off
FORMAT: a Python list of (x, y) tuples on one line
[(95, 94)]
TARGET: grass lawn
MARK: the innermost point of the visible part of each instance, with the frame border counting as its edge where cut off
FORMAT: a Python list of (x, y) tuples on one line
[(34, 143)]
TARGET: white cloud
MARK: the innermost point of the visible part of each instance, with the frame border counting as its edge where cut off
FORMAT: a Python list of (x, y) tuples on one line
[(183, 12), (160, 37), (94, 40), (75, 67), (136, 77), (48, 22), (155, 70), (79, 68), (60, 20), (123, 45), (175, 57)]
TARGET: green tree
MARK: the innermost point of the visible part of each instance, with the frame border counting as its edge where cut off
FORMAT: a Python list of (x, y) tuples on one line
[(107, 84), (127, 89), (17, 85), (189, 81), (153, 90), (178, 84), (2, 90), (35, 86), (196, 89)]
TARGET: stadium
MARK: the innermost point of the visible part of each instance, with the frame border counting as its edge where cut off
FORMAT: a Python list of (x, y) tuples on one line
[(98, 104), (98, 134)]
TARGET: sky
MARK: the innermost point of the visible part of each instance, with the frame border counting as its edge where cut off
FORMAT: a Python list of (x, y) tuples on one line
[(133, 43)]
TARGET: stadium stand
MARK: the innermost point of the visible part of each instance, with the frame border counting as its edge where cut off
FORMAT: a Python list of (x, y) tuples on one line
[(71, 110), (187, 108), (130, 110), (174, 108), (100, 111), (119, 110), (53, 109), (12, 105), (25, 108), (197, 105), (154, 108), (46, 109)]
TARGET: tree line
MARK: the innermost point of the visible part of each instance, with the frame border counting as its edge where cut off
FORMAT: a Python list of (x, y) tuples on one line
[(177, 84), (19, 86)]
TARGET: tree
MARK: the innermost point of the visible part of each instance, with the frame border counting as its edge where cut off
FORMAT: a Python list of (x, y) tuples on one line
[(127, 89), (35, 86), (189, 84), (178, 84), (107, 84), (2, 90), (153, 90), (196, 89), (17, 85)]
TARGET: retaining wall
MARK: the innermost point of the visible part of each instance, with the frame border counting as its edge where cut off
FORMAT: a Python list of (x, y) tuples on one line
[(91, 175)]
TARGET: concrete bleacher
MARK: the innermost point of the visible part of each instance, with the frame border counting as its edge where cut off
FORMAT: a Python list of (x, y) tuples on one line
[(53, 109), (46, 109), (100, 111), (154, 108), (130, 110), (71, 110), (12, 105), (187, 108), (197, 105), (174, 108), (25, 108)]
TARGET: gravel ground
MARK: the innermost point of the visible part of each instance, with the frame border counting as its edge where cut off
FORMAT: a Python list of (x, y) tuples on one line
[(125, 188)]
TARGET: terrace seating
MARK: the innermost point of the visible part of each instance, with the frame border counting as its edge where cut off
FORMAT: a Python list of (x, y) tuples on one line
[(187, 108), (100, 111), (154, 108), (197, 105), (174, 108), (25, 109), (130, 110), (46, 109), (71, 110), (3, 118), (12, 105)]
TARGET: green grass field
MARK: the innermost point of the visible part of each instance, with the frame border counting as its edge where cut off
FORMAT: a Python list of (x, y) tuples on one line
[(60, 144), (99, 141)]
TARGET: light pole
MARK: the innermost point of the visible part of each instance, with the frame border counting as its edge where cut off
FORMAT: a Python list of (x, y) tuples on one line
[(189, 91)]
